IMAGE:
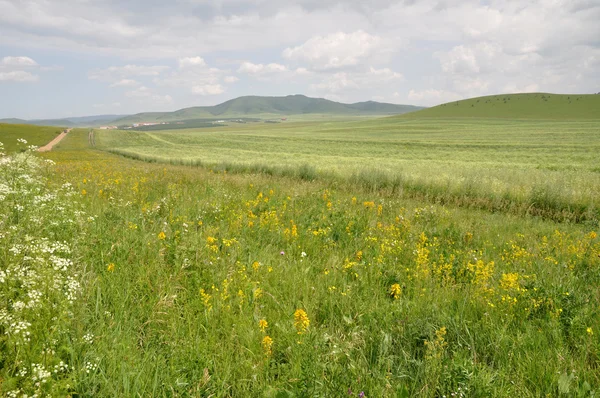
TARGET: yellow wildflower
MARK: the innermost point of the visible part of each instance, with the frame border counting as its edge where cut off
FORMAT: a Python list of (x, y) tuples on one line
[(263, 325), (301, 321), (589, 331), (267, 345), (210, 240), (161, 235), (206, 299), (395, 291), (110, 267)]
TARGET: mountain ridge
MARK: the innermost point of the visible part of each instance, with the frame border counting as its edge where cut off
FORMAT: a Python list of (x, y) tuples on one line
[(252, 105)]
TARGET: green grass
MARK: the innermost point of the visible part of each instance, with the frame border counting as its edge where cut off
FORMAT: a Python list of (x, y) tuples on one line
[(519, 106), (176, 266), (35, 135), (538, 167)]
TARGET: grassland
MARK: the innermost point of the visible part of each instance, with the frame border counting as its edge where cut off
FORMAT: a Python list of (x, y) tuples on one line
[(547, 168), (34, 135), (128, 278), (520, 106)]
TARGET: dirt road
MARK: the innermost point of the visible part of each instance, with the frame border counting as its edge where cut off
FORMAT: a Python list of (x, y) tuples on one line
[(56, 140)]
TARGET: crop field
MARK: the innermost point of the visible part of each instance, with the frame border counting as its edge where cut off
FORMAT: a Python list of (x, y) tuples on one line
[(307, 260), (547, 168)]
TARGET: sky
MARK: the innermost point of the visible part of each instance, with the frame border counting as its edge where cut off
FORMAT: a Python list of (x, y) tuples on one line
[(63, 58)]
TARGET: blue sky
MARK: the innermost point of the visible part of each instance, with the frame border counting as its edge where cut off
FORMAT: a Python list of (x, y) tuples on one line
[(82, 57)]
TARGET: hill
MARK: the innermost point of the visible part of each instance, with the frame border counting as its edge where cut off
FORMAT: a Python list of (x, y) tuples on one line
[(255, 106), (35, 135), (83, 121), (519, 106)]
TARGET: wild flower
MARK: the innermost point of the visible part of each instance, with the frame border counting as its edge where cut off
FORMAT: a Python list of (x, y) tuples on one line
[(161, 235), (263, 325), (589, 331), (110, 267), (267, 346), (206, 299), (301, 321), (395, 291), (436, 347)]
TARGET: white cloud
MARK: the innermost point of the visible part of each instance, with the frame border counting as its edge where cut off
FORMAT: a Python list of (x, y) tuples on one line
[(260, 69), (371, 79), (115, 73), (432, 96), (231, 79), (125, 83), (18, 76), (150, 95), (336, 50), (191, 61), (17, 69), (18, 62), (208, 89)]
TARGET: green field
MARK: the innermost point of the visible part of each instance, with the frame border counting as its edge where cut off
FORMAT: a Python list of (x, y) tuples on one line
[(520, 106), (395, 257), (544, 167), (34, 135)]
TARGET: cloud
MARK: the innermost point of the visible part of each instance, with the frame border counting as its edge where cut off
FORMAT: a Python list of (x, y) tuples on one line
[(115, 73), (260, 69), (208, 89), (149, 94), (125, 83), (17, 69), (18, 76), (341, 82), (230, 79), (18, 62), (191, 61), (431, 96), (196, 77), (336, 50)]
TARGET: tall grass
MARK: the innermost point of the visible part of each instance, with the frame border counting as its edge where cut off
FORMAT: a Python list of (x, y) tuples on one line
[(200, 282)]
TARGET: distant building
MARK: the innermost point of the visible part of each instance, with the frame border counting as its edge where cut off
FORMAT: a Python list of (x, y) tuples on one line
[(107, 127)]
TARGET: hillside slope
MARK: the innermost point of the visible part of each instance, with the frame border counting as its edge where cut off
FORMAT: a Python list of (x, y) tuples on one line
[(253, 106), (82, 121), (519, 106), (35, 135)]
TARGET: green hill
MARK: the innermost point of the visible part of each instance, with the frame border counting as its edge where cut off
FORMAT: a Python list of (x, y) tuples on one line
[(254, 106), (35, 135), (519, 106), (83, 121)]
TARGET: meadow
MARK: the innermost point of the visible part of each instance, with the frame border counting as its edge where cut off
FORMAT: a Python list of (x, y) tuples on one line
[(34, 135), (128, 278), (539, 167)]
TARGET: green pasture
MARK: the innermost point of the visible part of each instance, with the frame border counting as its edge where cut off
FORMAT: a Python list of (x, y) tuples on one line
[(520, 106), (551, 166), (34, 135)]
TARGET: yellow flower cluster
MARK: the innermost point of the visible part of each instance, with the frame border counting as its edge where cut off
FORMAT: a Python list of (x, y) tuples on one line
[(301, 321)]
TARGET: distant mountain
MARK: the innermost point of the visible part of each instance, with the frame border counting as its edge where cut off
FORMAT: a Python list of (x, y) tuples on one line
[(265, 107), (84, 121), (519, 106)]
